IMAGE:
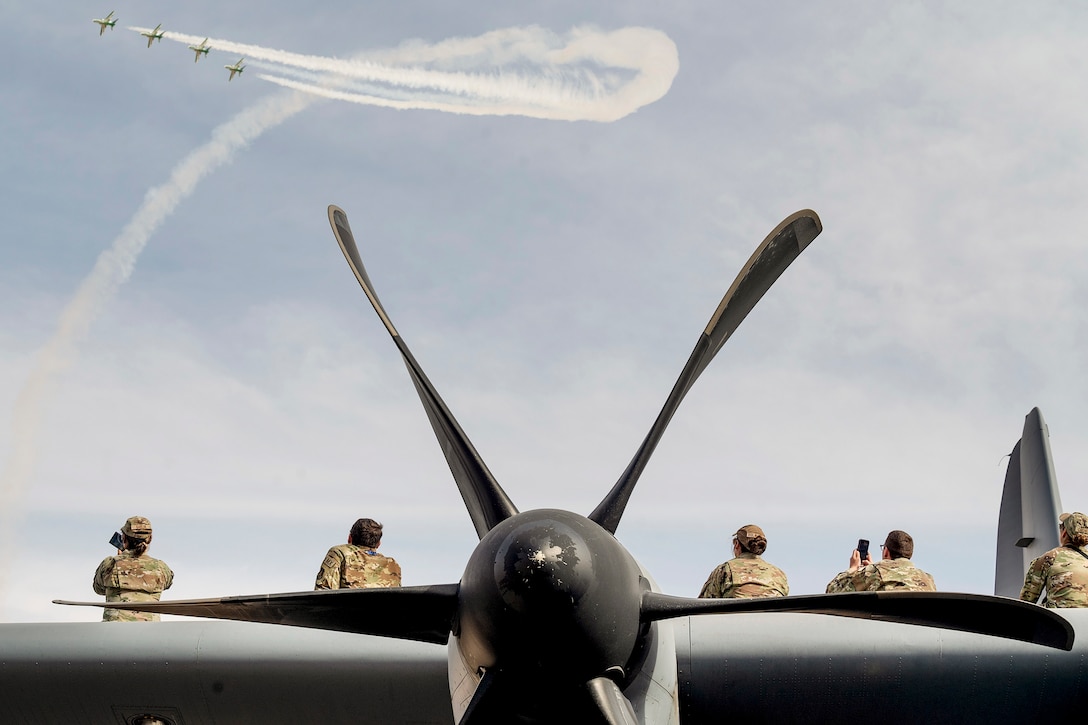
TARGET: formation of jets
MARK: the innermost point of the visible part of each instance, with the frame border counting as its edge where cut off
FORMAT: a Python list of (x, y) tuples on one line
[(110, 21)]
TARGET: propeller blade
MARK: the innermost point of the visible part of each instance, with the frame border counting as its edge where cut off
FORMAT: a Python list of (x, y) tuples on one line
[(613, 708), (488, 705), (766, 264), (977, 613), (485, 500), (496, 697), (424, 614)]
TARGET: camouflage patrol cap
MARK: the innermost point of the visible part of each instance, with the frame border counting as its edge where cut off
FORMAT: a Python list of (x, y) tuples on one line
[(1075, 524), (747, 534), (137, 527)]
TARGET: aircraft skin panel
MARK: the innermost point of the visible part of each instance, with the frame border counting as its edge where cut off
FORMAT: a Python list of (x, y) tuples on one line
[(201, 673), (806, 668)]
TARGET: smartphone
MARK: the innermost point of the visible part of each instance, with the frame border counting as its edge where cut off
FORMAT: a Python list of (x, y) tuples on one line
[(863, 549), (115, 541)]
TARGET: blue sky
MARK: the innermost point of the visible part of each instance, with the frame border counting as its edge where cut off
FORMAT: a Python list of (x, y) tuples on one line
[(551, 277)]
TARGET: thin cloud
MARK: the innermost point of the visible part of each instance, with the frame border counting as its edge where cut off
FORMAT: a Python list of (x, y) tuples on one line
[(112, 269), (561, 80)]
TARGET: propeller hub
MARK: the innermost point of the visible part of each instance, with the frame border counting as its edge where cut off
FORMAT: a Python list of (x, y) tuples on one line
[(549, 591), (543, 566)]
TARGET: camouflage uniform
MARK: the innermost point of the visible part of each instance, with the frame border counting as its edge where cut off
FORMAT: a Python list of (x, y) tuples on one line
[(348, 566), (1063, 572), (131, 578), (746, 576), (883, 575)]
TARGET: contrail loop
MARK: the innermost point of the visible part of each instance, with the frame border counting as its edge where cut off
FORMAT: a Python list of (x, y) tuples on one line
[(586, 75)]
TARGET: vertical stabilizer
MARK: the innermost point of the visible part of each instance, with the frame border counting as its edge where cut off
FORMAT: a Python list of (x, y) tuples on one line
[(1030, 504), (1009, 575)]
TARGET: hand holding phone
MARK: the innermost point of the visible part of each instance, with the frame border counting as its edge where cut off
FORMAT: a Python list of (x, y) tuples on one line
[(863, 550)]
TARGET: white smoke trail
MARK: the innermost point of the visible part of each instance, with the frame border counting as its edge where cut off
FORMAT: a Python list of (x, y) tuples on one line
[(586, 75), (421, 104), (589, 75), (113, 267)]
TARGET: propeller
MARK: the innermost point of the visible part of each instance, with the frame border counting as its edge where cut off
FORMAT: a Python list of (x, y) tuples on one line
[(977, 613), (766, 265), (424, 614), (487, 704), (549, 596), (610, 704), (487, 503)]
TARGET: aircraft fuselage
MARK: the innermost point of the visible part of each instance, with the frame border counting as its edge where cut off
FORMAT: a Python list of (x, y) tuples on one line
[(759, 668)]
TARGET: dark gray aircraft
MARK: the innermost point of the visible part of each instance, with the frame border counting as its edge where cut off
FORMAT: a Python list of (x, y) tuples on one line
[(1030, 504), (553, 621)]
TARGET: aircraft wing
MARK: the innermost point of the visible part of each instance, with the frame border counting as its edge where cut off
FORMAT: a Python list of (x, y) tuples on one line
[(196, 673), (795, 668), (754, 668)]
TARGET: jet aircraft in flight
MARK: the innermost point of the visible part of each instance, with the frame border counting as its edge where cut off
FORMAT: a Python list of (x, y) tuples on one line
[(201, 49), (153, 35), (107, 22), (553, 621), (236, 68)]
